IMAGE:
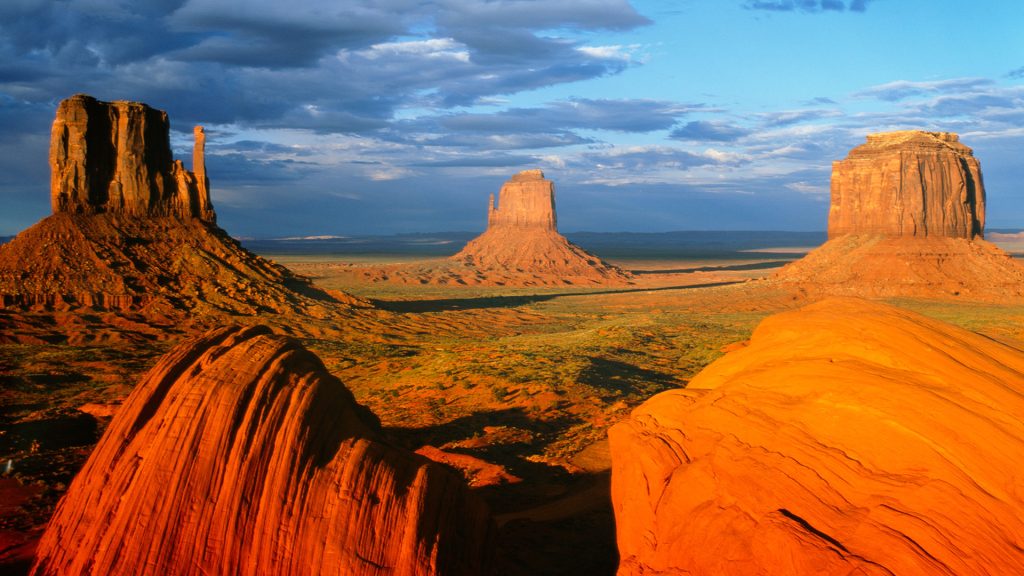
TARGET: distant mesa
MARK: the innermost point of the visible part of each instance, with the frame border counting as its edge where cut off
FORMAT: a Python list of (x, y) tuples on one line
[(238, 453), (133, 230), (521, 246), (907, 218), (848, 437)]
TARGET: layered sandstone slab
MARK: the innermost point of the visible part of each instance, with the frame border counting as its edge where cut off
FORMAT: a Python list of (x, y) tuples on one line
[(116, 157), (240, 454), (908, 183), (847, 438), (521, 247)]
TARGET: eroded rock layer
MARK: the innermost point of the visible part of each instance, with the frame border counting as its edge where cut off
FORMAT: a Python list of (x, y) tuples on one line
[(240, 454), (115, 157), (908, 183), (847, 438)]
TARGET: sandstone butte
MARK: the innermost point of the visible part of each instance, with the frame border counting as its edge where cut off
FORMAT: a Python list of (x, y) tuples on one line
[(907, 218), (848, 437), (132, 229), (238, 453), (521, 246)]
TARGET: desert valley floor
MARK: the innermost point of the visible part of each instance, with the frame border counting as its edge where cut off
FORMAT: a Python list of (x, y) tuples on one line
[(513, 387)]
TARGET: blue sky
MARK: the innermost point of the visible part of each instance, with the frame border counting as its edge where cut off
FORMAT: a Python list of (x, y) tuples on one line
[(387, 116)]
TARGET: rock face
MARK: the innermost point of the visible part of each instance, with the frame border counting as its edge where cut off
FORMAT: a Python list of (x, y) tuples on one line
[(240, 454), (908, 183), (907, 219), (115, 157), (522, 244), (132, 230), (847, 438)]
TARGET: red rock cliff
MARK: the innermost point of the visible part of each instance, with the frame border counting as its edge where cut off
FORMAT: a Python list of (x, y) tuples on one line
[(847, 438), (116, 157), (908, 183), (240, 454)]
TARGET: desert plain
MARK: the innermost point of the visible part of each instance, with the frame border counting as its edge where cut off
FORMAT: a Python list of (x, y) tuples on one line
[(523, 381)]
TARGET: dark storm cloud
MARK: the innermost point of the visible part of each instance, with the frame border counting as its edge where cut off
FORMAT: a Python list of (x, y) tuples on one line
[(806, 5), (274, 34), (705, 130), (272, 63)]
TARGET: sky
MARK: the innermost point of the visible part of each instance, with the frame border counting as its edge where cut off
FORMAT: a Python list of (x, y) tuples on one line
[(355, 117)]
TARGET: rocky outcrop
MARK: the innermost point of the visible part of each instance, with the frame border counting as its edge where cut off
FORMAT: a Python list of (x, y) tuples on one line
[(240, 454), (847, 438), (133, 230), (908, 183), (907, 219), (115, 157)]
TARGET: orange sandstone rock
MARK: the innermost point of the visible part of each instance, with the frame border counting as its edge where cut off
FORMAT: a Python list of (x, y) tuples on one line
[(240, 454), (847, 438), (908, 183)]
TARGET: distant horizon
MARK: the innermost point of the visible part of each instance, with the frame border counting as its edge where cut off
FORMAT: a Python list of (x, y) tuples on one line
[(360, 117)]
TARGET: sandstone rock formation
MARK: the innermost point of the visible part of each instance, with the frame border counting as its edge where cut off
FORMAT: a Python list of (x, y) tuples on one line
[(116, 157), (847, 438), (132, 230), (908, 183), (240, 454), (907, 219), (521, 247)]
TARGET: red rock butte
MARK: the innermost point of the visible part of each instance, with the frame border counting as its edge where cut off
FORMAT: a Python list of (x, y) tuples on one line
[(848, 437), (133, 230), (908, 183), (907, 218), (522, 243), (238, 453), (115, 157), (521, 247), (526, 201)]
